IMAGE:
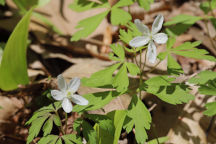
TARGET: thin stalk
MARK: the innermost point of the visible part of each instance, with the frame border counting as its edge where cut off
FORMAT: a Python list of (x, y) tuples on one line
[(142, 70), (60, 128), (66, 119), (140, 66), (154, 67)]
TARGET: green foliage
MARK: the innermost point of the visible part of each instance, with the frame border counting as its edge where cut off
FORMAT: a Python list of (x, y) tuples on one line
[(43, 118), (103, 136), (179, 24), (161, 140), (211, 109), (130, 34), (89, 133), (50, 139), (88, 25), (187, 49), (163, 88), (13, 68), (2, 2), (97, 100), (118, 117), (203, 77), (140, 117), (145, 3), (71, 139)]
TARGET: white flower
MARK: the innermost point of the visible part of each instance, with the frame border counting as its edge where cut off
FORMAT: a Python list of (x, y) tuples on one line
[(150, 37), (67, 93)]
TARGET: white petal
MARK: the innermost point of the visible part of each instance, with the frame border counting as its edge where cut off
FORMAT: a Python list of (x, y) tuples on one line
[(79, 100), (157, 24), (57, 95), (160, 38), (74, 84), (141, 27), (66, 105), (151, 52), (139, 41), (61, 83)]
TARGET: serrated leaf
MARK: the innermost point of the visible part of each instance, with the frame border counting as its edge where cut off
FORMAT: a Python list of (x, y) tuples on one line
[(83, 5), (35, 128), (173, 67), (101, 78), (88, 25), (77, 125), (123, 3), (130, 34), (172, 93), (145, 3), (209, 88), (57, 120), (47, 128), (50, 139), (119, 16), (203, 77), (133, 68), (2, 2), (138, 112), (121, 81), (89, 133), (188, 50), (59, 141), (13, 68), (118, 50), (180, 24), (118, 118), (103, 121), (161, 140), (211, 109), (128, 124), (97, 100), (71, 138)]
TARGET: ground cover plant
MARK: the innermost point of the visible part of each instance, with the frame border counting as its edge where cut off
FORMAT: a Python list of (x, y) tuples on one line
[(135, 48)]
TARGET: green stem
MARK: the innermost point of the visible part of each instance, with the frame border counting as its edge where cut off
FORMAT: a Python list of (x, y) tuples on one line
[(66, 119), (140, 66), (61, 128), (154, 67), (208, 32)]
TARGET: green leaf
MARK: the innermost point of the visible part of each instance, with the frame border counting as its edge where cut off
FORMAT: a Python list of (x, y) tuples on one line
[(161, 140), (211, 109), (205, 7), (57, 120), (13, 68), (84, 5), (173, 67), (213, 4), (47, 128), (119, 16), (145, 3), (71, 138), (101, 78), (88, 26), (89, 133), (172, 93), (209, 88), (203, 77), (180, 24), (103, 136), (97, 100), (77, 125), (118, 118), (123, 3), (141, 117), (104, 122), (36, 127), (130, 34), (50, 139), (119, 51), (2, 2), (121, 81), (59, 141), (133, 68)]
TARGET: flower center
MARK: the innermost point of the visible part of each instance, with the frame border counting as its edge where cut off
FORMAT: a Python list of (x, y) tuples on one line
[(69, 94)]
